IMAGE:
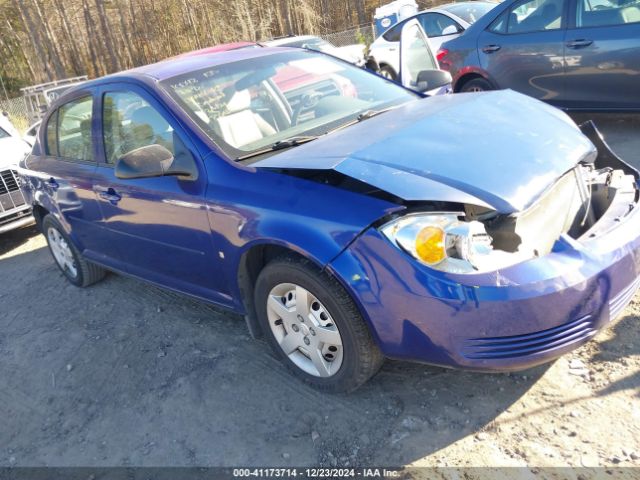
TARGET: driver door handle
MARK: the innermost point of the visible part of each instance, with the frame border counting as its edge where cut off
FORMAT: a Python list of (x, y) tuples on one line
[(579, 43), (109, 194), (491, 48)]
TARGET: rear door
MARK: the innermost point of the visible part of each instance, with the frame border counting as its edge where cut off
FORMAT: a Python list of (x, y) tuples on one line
[(603, 54), (66, 166), (523, 49), (158, 226)]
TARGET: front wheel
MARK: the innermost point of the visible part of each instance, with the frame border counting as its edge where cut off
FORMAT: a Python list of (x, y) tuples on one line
[(388, 73), (314, 327)]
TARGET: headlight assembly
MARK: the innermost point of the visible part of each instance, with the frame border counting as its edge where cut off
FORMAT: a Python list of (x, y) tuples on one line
[(444, 242)]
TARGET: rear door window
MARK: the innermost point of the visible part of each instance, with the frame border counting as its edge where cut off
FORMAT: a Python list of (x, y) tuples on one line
[(3, 134), (74, 136), (535, 16), (435, 24)]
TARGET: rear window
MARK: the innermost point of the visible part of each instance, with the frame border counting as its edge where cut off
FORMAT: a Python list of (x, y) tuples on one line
[(393, 34)]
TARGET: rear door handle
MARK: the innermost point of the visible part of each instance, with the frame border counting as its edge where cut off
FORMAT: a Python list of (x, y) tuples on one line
[(110, 195), (491, 48), (580, 43)]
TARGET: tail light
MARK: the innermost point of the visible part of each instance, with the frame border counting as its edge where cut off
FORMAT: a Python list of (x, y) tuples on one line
[(443, 52)]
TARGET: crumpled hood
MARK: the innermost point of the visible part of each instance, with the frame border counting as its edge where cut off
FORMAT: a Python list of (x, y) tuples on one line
[(499, 150), (12, 150)]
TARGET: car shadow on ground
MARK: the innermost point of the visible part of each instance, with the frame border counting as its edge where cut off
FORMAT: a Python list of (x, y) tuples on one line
[(14, 238), (615, 351), (124, 373)]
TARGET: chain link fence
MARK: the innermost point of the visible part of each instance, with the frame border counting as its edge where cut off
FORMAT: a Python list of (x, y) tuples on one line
[(16, 108), (363, 34)]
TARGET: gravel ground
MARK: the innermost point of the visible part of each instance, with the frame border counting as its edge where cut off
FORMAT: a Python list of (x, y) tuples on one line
[(123, 373)]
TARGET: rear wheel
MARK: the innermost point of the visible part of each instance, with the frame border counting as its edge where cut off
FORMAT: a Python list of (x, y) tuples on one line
[(477, 85), (314, 327), (73, 265)]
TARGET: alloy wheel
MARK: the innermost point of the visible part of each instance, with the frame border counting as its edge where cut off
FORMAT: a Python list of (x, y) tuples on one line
[(62, 252), (304, 330)]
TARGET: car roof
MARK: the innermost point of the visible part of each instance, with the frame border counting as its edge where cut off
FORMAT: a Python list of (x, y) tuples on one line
[(223, 47)]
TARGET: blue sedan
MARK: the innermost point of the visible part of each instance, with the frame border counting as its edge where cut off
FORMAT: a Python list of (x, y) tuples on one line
[(345, 217)]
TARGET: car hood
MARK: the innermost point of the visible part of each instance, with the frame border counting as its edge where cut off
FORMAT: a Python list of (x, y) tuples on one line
[(12, 150), (500, 150)]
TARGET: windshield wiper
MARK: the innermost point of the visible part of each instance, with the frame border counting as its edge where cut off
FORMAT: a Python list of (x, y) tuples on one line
[(280, 145), (367, 114)]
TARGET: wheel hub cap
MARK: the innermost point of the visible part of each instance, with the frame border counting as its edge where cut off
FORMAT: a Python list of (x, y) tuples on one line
[(305, 330), (61, 251)]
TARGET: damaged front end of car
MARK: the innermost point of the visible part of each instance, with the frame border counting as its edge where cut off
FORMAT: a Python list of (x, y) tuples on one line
[(585, 202)]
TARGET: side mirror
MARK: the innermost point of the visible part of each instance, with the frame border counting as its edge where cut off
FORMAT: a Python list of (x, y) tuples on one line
[(432, 79), (152, 161), (450, 30)]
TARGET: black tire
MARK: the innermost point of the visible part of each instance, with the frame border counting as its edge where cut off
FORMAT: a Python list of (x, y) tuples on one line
[(477, 85), (87, 273), (387, 72), (361, 356)]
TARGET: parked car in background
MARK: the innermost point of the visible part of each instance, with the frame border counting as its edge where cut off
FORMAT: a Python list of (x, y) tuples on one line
[(15, 212), (351, 53), (576, 54), (31, 133), (350, 226), (440, 24)]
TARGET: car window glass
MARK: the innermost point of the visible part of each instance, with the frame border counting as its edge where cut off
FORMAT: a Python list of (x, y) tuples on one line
[(434, 24), (418, 53), (130, 122), (3, 134), (252, 104), (470, 12), (535, 16), (74, 130), (597, 13), (393, 34), (499, 25), (52, 135)]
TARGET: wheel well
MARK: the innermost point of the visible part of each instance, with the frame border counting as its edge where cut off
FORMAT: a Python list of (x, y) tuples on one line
[(466, 78), (251, 264), (39, 212)]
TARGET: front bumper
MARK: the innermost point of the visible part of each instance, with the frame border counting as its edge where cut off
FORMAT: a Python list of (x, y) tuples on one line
[(511, 319)]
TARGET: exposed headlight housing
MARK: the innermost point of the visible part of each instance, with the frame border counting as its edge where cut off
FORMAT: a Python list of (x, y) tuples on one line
[(444, 242)]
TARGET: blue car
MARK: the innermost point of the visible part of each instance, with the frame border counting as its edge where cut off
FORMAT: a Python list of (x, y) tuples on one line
[(345, 217)]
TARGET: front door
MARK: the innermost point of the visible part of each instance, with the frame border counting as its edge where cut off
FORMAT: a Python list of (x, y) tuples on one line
[(523, 48), (416, 54), (159, 225), (603, 55)]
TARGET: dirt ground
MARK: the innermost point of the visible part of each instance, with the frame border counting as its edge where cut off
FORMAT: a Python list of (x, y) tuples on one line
[(123, 373)]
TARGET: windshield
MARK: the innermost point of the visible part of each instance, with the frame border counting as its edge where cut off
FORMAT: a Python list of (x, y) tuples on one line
[(469, 12), (251, 104)]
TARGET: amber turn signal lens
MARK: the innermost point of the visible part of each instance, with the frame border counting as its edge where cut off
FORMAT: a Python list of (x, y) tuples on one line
[(430, 245)]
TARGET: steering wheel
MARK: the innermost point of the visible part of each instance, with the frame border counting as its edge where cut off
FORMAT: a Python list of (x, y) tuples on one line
[(307, 102)]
